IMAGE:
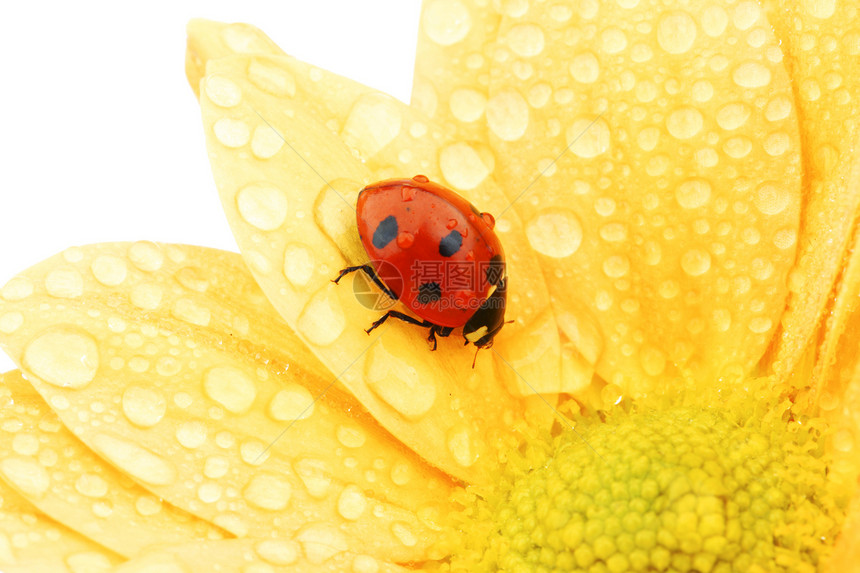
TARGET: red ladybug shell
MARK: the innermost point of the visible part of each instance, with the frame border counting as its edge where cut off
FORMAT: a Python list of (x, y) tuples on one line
[(444, 260)]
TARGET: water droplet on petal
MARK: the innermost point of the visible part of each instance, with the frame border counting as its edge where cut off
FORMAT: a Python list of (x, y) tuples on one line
[(588, 137), (696, 262), (446, 22), (146, 256), (268, 491), (751, 75), (109, 270), (231, 388), (222, 91), (467, 105), (463, 166), (398, 383), (291, 403), (63, 356), (299, 264), (322, 321), (676, 32), (278, 551), (373, 122), (263, 206), (232, 133), (26, 475), (91, 485), (135, 460), (555, 233), (266, 142), (584, 68), (526, 40), (144, 407), (64, 283), (684, 122), (508, 115), (459, 442), (191, 434), (693, 193), (351, 503)]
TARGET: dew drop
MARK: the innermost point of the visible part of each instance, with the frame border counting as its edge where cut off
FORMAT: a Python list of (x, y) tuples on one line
[(365, 564), (263, 206), (613, 40), (321, 542), (760, 324), (373, 122), (351, 503), (584, 68), (109, 270), (266, 142), (696, 262), (616, 266), (555, 233), (91, 485), (268, 491), (460, 445), (144, 407), (64, 283), (135, 460), (291, 403), (588, 137), (26, 475), (222, 91), (751, 75), (315, 475), (653, 361), (508, 115), (191, 434), (613, 232), (693, 193), (216, 467), (10, 322), (462, 166), (146, 256), (231, 388), (63, 356), (18, 288), (771, 198), (278, 551), (299, 264), (231, 133), (684, 122), (676, 32), (322, 320), (446, 22), (254, 452), (467, 105), (147, 505), (398, 383), (526, 40), (25, 444), (733, 116)]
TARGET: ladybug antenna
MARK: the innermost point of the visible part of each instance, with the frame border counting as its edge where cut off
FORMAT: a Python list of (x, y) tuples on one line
[(477, 348)]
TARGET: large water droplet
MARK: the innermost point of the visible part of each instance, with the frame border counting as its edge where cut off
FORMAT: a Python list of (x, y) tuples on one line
[(278, 551), (676, 32), (693, 193), (144, 407), (146, 256), (467, 105), (268, 491), (508, 115), (299, 264), (315, 475), (109, 270), (584, 68), (321, 542), (91, 485), (373, 122), (266, 142), (398, 383), (526, 40), (751, 75), (555, 232), (446, 22), (27, 475), (64, 283), (231, 388), (291, 403), (263, 206), (322, 321), (351, 503), (696, 262), (733, 115), (63, 356), (463, 166), (231, 133), (191, 434), (588, 137), (771, 198), (135, 460), (222, 91), (685, 122), (461, 446)]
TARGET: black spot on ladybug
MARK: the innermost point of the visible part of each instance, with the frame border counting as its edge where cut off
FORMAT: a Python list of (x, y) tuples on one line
[(385, 232), (429, 292), (496, 270), (450, 243)]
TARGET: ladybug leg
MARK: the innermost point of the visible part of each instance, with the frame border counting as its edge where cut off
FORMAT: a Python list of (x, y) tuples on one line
[(368, 270), (400, 316), (442, 331)]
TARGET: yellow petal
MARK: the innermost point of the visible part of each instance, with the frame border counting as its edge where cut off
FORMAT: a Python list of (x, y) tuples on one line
[(169, 362), (292, 212), (300, 554), (452, 66), (68, 482), (821, 42), (31, 542), (664, 207), (394, 140)]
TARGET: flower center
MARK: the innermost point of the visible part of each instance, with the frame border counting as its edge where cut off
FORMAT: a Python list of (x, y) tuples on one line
[(683, 490)]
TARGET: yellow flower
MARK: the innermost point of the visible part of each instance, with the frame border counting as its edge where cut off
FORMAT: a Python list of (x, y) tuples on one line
[(676, 188)]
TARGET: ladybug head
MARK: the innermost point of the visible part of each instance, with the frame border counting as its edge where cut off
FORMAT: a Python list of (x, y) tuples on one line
[(489, 319)]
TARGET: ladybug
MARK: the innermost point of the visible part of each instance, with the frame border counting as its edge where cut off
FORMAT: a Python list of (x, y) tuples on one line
[(436, 253)]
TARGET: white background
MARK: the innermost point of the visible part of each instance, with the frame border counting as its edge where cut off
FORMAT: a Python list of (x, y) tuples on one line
[(101, 135)]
